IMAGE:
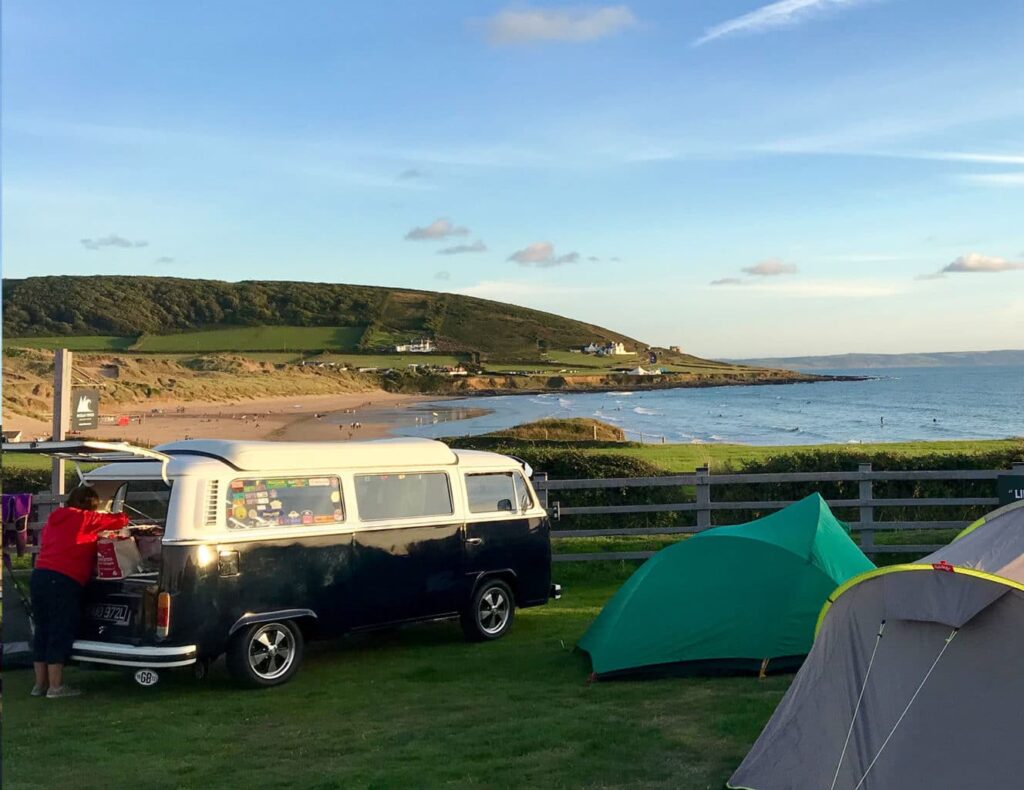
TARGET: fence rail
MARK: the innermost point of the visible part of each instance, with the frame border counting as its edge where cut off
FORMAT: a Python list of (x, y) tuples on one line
[(703, 504)]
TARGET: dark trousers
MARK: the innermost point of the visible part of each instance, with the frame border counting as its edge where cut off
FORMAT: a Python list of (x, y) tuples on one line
[(56, 608)]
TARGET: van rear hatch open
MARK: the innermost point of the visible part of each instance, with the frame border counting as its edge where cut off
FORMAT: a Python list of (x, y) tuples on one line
[(121, 610)]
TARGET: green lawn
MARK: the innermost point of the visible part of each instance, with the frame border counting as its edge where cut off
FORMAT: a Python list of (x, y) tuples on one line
[(685, 457), (80, 343), (256, 338), (416, 707)]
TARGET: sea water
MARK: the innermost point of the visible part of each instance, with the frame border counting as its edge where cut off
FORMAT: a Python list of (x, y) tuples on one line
[(894, 405)]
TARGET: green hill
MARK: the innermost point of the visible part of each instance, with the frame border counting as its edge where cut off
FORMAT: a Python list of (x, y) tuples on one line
[(157, 314)]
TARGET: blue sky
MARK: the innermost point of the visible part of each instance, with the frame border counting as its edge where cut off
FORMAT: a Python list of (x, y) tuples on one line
[(738, 177)]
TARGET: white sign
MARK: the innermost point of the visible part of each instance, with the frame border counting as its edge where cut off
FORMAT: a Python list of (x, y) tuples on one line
[(146, 677)]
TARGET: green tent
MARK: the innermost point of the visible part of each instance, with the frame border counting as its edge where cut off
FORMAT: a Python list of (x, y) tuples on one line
[(730, 599)]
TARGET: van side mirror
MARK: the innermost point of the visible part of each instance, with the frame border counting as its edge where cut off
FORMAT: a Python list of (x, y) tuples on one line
[(505, 505)]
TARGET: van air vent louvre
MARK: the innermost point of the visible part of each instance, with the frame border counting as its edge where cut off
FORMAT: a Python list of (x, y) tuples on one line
[(213, 504)]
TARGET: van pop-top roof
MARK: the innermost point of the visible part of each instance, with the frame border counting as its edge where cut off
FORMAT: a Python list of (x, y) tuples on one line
[(251, 456)]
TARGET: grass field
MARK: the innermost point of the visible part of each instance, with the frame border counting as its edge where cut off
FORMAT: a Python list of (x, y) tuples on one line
[(257, 338), (80, 343), (234, 340), (686, 457), (417, 707)]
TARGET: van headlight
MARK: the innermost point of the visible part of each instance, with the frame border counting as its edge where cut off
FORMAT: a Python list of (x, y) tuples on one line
[(205, 556)]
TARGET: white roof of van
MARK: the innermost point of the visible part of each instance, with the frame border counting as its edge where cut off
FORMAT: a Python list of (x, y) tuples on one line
[(254, 456)]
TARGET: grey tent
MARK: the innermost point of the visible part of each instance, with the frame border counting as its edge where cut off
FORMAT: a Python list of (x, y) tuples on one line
[(915, 679)]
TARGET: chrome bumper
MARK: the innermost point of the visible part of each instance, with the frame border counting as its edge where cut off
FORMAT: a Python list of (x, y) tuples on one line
[(556, 591), (132, 656)]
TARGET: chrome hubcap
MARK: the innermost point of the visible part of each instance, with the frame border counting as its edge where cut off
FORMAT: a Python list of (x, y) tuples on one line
[(492, 614), (271, 651)]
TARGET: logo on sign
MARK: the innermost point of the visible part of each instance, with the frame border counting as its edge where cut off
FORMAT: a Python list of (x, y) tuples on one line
[(85, 411)]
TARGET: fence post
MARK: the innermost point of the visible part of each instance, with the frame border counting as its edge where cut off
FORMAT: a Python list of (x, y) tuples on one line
[(867, 512), (542, 488), (703, 497)]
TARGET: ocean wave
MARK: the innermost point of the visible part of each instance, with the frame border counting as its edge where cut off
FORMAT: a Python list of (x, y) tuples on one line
[(644, 410), (618, 393), (565, 403)]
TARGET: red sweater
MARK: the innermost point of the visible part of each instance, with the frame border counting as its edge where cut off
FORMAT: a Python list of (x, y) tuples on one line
[(69, 540)]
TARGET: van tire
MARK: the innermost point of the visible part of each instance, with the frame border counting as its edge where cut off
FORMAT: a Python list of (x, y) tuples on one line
[(490, 612), (254, 654)]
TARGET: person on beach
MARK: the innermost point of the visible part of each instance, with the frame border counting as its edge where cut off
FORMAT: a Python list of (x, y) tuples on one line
[(67, 554)]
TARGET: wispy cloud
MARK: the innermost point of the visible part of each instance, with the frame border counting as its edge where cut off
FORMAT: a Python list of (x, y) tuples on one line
[(438, 229), (783, 13), (461, 249), (410, 174), (163, 260), (974, 263), (727, 281), (771, 267), (443, 275), (112, 240), (1009, 179), (526, 25), (542, 254)]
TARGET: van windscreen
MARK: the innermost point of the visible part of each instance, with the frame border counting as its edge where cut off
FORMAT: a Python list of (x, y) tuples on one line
[(403, 495)]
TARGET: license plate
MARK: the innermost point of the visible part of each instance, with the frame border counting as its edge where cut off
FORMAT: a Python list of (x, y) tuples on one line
[(111, 613)]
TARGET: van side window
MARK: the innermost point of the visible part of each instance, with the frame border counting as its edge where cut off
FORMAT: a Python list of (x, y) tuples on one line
[(491, 493), (403, 495), (523, 496), (284, 501), (145, 501)]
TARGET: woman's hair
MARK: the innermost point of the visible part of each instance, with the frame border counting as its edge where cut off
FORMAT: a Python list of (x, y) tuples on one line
[(83, 498)]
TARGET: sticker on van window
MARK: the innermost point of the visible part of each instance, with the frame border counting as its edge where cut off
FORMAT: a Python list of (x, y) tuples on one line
[(253, 503)]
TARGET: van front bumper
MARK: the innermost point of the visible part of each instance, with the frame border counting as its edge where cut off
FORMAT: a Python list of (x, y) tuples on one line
[(132, 656)]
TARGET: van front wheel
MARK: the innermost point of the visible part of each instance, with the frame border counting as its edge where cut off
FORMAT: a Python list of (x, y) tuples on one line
[(265, 654), (490, 612)]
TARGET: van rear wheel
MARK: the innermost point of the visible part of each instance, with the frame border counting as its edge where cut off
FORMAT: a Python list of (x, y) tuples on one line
[(490, 612), (265, 654)]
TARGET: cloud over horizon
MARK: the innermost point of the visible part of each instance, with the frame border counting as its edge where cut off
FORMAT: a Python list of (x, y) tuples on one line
[(461, 249), (727, 281), (410, 174), (784, 13), (542, 255), (443, 275), (112, 240), (438, 229), (574, 24), (772, 267), (975, 263)]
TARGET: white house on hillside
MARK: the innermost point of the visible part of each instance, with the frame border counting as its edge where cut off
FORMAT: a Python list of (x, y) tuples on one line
[(422, 346), (606, 349)]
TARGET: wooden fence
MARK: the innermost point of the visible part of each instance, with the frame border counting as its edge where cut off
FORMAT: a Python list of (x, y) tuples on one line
[(703, 504)]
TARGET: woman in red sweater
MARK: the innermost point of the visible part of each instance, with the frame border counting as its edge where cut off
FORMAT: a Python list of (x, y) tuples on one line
[(67, 554)]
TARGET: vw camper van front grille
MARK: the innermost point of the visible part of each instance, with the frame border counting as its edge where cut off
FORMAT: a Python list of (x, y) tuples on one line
[(212, 504)]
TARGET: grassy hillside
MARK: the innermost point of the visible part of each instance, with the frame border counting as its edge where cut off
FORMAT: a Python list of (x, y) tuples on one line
[(122, 312)]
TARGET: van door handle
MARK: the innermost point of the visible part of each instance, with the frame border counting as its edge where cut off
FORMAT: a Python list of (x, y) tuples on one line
[(474, 541)]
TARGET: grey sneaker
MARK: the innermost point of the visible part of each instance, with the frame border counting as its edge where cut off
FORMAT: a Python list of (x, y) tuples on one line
[(38, 691), (63, 691)]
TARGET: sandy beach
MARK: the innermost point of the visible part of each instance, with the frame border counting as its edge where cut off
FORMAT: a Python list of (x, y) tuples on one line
[(297, 418)]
